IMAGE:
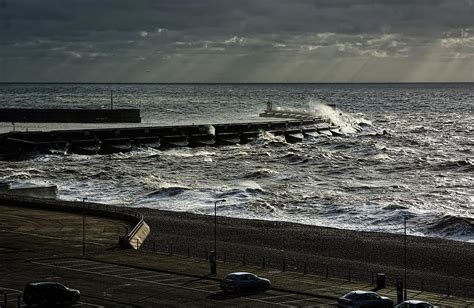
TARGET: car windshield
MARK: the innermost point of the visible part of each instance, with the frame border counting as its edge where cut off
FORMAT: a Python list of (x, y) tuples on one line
[(351, 295), (231, 277), (372, 296), (60, 287)]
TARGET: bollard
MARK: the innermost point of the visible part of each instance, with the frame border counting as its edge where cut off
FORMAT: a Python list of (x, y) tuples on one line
[(284, 265), (399, 285), (305, 268), (263, 262), (327, 271), (380, 281), (189, 252)]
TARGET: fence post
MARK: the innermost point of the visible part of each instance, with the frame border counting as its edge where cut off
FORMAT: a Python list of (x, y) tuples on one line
[(327, 271), (284, 265), (19, 301), (305, 267), (189, 252), (422, 284), (243, 260), (263, 262), (4, 299), (447, 293)]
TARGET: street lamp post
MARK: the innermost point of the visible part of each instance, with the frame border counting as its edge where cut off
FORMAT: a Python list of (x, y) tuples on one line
[(84, 226), (215, 224), (405, 250)]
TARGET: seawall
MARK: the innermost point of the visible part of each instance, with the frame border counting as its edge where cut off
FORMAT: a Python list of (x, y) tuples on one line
[(70, 115)]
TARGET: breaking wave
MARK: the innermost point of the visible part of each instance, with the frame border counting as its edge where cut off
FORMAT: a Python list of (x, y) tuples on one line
[(262, 173), (348, 123), (451, 225), (167, 192)]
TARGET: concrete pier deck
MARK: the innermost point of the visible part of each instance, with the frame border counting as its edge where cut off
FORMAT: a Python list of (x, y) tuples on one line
[(120, 139)]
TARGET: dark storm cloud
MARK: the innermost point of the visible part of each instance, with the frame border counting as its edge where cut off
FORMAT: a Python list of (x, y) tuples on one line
[(254, 30), (212, 17)]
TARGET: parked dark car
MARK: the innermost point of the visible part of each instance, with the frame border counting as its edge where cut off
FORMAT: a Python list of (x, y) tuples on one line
[(244, 282), (414, 304), (49, 294), (359, 299)]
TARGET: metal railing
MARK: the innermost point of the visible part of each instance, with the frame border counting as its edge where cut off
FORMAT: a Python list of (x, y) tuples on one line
[(277, 261)]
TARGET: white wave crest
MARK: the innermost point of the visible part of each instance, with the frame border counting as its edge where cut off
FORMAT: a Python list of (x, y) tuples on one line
[(348, 123), (187, 152), (155, 183)]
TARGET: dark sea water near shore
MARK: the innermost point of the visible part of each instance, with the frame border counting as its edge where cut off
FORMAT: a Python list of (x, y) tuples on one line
[(363, 180)]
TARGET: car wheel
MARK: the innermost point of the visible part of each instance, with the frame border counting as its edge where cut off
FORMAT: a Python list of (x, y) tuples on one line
[(75, 299)]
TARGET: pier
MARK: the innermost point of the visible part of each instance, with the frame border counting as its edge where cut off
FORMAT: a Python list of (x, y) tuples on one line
[(111, 140)]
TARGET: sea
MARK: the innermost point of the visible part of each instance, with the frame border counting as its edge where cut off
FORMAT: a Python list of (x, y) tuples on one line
[(406, 152)]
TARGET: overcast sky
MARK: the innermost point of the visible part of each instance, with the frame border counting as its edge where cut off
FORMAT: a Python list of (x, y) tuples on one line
[(237, 40)]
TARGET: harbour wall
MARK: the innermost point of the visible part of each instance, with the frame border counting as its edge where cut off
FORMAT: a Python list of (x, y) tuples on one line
[(70, 115), (112, 140)]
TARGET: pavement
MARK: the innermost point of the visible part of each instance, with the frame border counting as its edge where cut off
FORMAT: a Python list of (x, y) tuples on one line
[(47, 245)]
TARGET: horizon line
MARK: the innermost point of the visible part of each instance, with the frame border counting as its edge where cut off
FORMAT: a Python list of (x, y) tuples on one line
[(236, 83)]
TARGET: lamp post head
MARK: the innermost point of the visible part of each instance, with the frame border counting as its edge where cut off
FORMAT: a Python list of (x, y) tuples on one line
[(220, 200)]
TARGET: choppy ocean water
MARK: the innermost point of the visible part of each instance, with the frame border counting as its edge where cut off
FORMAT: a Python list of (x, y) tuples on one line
[(423, 168)]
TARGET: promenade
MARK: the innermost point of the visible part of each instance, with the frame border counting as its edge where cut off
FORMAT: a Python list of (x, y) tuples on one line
[(32, 240)]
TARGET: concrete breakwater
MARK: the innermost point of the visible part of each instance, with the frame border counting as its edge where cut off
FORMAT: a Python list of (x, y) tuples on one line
[(70, 115), (112, 140)]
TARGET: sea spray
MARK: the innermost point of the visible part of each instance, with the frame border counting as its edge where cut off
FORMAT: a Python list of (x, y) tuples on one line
[(347, 122)]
